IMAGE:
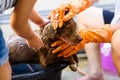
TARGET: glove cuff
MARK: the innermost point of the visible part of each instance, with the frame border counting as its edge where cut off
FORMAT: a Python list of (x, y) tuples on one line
[(96, 35), (82, 5)]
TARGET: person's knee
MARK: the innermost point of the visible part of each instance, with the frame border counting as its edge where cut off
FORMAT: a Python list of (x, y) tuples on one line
[(116, 49), (116, 41)]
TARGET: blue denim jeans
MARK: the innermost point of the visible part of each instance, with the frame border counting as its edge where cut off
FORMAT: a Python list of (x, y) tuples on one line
[(3, 50)]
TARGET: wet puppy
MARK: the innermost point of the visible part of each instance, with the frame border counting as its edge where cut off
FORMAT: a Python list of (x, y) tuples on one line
[(20, 52)]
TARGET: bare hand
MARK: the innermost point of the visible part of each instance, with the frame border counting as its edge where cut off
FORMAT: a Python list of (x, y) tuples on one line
[(35, 42)]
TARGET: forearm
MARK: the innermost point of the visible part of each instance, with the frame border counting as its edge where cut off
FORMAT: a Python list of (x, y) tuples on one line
[(81, 5), (20, 16), (97, 35), (36, 17), (24, 31), (91, 1)]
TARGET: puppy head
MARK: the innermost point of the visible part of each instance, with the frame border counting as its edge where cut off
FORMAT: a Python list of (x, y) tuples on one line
[(68, 33)]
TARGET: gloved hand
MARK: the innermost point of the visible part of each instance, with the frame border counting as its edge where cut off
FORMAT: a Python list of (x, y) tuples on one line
[(67, 11), (65, 49), (96, 35)]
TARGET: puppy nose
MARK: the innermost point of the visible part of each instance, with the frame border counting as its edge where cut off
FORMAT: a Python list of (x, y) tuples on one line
[(78, 40)]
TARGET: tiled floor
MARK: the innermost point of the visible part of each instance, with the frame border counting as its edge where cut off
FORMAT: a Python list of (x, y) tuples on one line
[(67, 74)]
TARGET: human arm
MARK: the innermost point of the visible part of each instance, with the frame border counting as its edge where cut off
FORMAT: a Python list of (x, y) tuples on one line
[(59, 15), (95, 35), (89, 35), (19, 23), (36, 18)]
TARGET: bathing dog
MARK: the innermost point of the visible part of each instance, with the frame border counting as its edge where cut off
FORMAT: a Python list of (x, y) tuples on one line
[(20, 52)]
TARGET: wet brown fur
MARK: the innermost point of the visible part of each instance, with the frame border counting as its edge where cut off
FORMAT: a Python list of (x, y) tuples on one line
[(21, 53)]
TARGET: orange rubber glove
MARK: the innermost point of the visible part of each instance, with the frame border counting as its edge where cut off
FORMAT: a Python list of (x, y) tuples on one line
[(96, 35), (67, 11)]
